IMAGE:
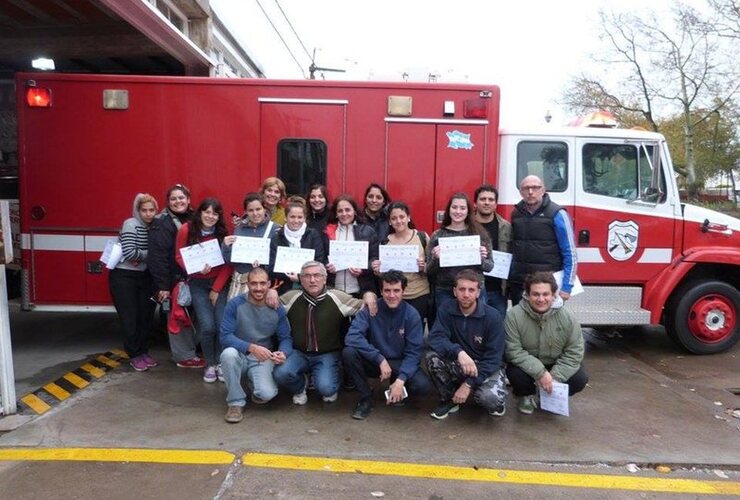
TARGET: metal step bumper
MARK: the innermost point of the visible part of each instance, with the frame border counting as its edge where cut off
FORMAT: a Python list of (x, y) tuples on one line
[(609, 305)]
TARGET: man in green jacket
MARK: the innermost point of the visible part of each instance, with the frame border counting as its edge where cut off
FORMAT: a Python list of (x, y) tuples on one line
[(542, 343)]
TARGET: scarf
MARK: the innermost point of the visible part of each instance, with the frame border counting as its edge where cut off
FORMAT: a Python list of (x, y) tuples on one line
[(310, 327), (294, 237)]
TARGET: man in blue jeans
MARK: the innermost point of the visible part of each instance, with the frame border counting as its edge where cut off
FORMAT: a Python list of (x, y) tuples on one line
[(317, 317), (388, 346), (499, 229), (250, 333)]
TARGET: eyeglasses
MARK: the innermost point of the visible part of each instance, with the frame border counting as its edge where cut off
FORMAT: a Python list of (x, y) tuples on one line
[(530, 188), (309, 276)]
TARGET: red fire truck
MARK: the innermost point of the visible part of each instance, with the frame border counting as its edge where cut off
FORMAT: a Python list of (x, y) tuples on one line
[(88, 143)]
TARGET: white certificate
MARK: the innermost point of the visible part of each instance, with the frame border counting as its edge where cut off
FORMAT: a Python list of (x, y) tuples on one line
[(346, 254), (249, 250), (112, 254), (557, 400), (459, 251), (197, 256), (577, 286), (501, 265), (290, 260), (399, 257)]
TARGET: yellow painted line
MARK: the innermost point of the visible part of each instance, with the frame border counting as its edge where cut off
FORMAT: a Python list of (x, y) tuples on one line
[(76, 380), (56, 391), (120, 353), (35, 403), (136, 455), (93, 370), (568, 480), (107, 361)]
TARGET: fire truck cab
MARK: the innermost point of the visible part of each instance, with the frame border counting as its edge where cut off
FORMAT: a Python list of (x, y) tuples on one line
[(89, 143)]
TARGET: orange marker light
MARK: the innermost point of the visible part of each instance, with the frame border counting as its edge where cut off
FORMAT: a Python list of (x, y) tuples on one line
[(37, 97)]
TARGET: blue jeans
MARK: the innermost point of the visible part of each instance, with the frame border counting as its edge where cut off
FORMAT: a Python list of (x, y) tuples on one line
[(208, 316), (324, 368), (234, 365), (496, 299)]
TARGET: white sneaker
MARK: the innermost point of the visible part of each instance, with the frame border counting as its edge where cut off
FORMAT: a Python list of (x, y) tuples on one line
[(220, 374), (330, 399), (301, 398), (209, 375)]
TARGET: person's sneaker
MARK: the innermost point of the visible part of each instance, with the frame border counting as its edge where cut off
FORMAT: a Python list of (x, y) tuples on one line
[(444, 409), (330, 399), (209, 375), (526, 405), (301, 398), (139, 364), (220, 374), (258, 401), (362, 409), (498, 411), (194, 362), (150, 361), (234, 414)]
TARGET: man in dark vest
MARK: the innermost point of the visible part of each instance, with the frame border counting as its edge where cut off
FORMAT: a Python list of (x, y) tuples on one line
[(542, 239)]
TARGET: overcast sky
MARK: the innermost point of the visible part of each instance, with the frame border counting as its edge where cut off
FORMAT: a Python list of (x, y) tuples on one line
[(530, 48)]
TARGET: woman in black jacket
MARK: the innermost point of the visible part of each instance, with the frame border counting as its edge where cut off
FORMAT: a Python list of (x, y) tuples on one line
[(344, 226), (318, 207), (296, 234), (165, 271)]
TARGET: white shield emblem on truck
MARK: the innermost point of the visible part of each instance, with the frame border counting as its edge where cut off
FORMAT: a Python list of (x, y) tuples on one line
[(622, 239)]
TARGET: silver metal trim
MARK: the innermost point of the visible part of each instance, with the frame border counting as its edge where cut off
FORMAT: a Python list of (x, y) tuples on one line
[(448, 121), (284, 100)]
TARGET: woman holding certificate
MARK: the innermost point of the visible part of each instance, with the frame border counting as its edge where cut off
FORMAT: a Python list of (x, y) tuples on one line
[(461, 243), (207, 286), (404, 236), (294, 235), (346, 271), (254, 224), (131, 285)]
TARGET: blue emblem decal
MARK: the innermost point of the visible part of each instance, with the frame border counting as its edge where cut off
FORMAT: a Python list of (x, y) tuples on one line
[(458, 140)]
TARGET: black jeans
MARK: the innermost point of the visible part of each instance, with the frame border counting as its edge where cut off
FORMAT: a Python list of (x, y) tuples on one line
[(131, 292), (524, 385), (357, 368)]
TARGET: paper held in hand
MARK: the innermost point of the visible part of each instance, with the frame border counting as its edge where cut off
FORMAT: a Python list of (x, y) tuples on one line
[(112, 254), (557, 400), (197, 256), (290, 260), (459, 251), (246, 249), (346, 254), (399, 257), (501, 265)]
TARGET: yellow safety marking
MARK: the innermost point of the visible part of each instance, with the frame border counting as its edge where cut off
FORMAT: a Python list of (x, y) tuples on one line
[(56, 391), (93, 370), (136, 455), (107, 361), (119, 353), (76, 380), (570, 480), (36, 403)]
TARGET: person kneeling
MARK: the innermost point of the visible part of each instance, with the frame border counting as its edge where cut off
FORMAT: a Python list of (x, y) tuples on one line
[(542, 343), (387, 345), (467, 355), (249, 332)]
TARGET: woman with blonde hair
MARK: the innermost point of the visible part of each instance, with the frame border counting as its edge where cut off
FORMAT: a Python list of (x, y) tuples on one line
[(273, 194), (131, 284)]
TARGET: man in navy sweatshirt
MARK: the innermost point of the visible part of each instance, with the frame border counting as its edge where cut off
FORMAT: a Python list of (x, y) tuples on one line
[(388, 346), (255, 338), (467, 355)]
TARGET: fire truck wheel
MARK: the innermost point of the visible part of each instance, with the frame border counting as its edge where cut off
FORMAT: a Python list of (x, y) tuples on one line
[(703, 317)]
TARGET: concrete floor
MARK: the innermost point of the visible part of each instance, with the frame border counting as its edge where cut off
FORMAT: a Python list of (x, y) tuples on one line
[(647, 403)]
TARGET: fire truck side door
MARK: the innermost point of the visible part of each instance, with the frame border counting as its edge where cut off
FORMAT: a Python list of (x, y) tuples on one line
[(625, 235)]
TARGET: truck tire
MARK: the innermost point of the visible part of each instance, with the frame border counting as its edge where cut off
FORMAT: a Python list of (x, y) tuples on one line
[(703, 317)]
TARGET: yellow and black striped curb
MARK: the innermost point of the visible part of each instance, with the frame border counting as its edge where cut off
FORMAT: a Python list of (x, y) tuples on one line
[(41, 400)]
